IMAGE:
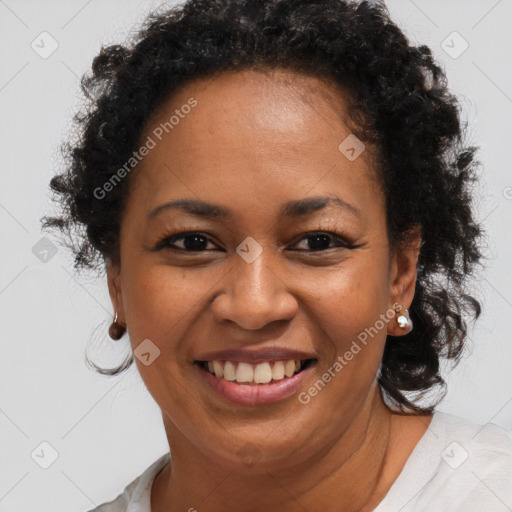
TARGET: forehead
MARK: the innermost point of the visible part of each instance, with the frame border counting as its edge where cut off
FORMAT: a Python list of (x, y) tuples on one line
[(271, 101), (261, 135)]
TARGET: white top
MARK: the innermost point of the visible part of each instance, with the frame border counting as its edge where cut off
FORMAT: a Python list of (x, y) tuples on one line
[(457, 466)]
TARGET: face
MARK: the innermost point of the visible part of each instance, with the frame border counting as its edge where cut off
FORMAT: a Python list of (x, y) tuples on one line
[(280, 254)]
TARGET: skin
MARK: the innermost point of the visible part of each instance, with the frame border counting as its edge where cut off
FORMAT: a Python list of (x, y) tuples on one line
[(253, 142)]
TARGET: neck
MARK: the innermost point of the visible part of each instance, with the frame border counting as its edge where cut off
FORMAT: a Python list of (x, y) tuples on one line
[(345, 475)]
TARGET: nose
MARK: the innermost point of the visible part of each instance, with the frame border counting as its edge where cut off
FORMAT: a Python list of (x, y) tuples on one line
[(254, 294)]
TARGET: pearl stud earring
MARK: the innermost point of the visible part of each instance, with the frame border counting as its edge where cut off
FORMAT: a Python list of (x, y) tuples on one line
[(402, 320)]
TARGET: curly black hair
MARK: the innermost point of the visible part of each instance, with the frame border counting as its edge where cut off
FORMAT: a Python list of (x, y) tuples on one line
[(398, 99)]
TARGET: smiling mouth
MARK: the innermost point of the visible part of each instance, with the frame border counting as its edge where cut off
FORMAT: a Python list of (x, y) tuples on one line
[(267, 372)]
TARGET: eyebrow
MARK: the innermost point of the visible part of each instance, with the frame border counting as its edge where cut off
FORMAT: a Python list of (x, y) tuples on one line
[(291, 209)]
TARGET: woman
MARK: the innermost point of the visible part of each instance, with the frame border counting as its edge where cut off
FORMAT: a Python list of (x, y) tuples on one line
[(280, 194)]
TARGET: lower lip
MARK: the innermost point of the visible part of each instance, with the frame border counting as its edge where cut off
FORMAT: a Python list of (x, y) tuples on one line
[(255, 394)]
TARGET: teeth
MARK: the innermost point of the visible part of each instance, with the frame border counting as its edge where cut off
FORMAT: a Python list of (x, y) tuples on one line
[(217, 368), (229, 371), (244, 372), (278, 370), (261, 373), (289, 368)]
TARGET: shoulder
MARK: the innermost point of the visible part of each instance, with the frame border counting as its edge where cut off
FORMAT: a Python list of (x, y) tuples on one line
[(486, 447), (136, 496), (475, 467), (457, 465)]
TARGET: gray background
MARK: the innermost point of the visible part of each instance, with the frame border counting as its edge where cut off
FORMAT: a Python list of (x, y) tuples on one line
[(106, 431)]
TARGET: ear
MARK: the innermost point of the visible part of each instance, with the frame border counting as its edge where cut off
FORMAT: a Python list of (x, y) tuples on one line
[(115, 290), (403, 274)]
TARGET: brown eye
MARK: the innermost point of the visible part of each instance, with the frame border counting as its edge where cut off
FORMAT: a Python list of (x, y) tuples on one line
[(321, 241), (190, 242)]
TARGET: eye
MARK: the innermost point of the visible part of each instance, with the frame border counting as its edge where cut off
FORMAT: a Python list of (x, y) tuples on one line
[(190, 242), (321, 240), (317, 241)]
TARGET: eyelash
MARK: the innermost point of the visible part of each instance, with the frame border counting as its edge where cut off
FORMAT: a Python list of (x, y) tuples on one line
[(166, 240)]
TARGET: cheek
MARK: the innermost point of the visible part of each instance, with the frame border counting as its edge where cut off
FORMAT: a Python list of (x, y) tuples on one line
[(352, 313), (157, 299), (160, 304), (352, 298)]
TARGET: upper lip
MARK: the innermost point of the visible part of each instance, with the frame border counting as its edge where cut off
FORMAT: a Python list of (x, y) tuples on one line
[(255, 355)]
